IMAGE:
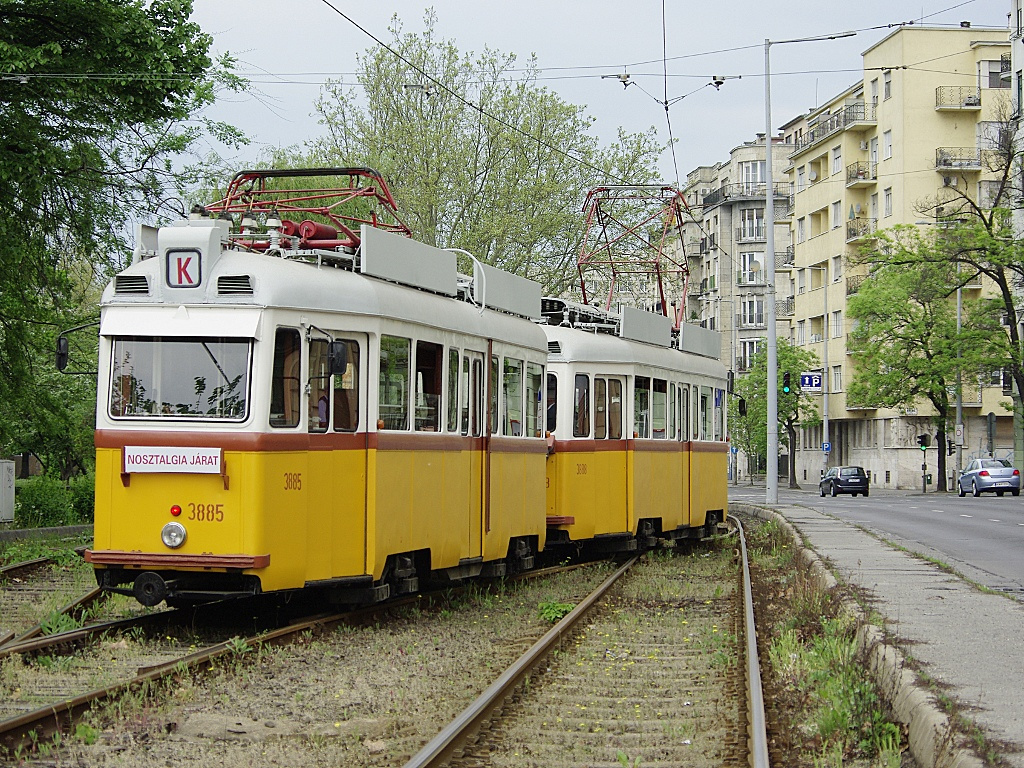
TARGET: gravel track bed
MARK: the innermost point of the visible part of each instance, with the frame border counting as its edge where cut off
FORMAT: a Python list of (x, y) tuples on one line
[(28, 599), (653, 678), (365, 696)]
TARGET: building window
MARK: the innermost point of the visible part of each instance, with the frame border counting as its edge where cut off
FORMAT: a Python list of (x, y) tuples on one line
[(751, 265), (837, 324), (752, 174), (887, 145), (874, 92), (874, 205), (837, 378), (887, 201), (837, 214), (886, 85), (801, 230), (752, 223), (801, 329), (801, 280), (801, 178), (837, 159), (990, 75), (873, 151), (837, 267), (748, 348)]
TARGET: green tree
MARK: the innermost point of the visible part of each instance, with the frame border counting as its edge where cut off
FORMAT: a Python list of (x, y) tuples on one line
[(905, 345), (99, 102), (793, 409), (504, 181)]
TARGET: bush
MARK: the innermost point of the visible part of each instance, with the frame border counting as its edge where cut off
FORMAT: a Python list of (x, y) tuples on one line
[(42, 502)]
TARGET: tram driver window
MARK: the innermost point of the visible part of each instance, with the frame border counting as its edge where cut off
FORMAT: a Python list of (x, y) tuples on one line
[(705, 413), (534, 376), (600, 409), (642, 407), (581, 406), (284, 388), (614, 409), (452, 423), (429, 367), (346, 392), (393, 389)]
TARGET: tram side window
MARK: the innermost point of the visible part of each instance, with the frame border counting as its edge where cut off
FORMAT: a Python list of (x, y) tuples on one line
[(659, 410), (695, 430), (684, 411), (452, 425), (319, 386), (534, 398), (464, 395), (284, 388), (552, 417), (581, 412), (642, 406), (614, 409), (705, 413), (494, 395), (719, 414), (672, 411), (600, 409), (478, 398), (429, 370), (512, 394), (393, 395), (346, 392)]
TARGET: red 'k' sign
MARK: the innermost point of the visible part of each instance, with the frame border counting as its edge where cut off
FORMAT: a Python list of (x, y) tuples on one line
[(184, 269)]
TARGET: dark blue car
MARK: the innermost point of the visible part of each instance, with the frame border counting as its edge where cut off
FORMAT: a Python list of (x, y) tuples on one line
[(844, 480)]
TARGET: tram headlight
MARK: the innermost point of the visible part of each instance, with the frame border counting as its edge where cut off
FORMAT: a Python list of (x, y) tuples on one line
[(173, 535)]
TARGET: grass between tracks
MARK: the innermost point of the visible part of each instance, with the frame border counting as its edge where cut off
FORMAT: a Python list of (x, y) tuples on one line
[(824, 710)]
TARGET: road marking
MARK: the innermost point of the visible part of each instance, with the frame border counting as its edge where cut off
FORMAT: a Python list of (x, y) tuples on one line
[(966, 515), (994, 521)]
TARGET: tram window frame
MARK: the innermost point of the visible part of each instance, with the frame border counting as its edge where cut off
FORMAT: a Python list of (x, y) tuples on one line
[(464, 401), (494, 400), (285, 386), (345, 391), (581, 406), (615, 409), (695, 412), (719, 418), (671, 433), (683, 395), (551, 418), (394, 376), (600, 408), (534, 399), (452, 421), (477, 417), (705, 412), (512, 397), (429, 370), (659, 409), (318, 382), (641, 406)]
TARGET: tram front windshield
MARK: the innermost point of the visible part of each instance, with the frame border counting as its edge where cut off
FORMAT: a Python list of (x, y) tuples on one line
[(176, 378)]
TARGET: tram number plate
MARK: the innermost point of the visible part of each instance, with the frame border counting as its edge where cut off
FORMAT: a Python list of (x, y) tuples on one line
[(206, 513)]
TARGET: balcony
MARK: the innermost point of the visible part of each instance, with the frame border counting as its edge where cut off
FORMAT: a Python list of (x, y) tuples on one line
[(784, 259), (751, 280), (957, 159), (863, 173), (853, 284), (858, 115), (755, 320), (751, 232), (860, 229), (785, 307), (1005, 67), (956, 98), (745, 192)]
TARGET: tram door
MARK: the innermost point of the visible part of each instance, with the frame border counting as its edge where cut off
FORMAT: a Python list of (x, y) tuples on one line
[(612, 476), (471, 394), (336, 418)]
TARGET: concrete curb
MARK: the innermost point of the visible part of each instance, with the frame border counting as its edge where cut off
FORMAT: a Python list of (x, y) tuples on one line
[(41, 533), (931, 736)]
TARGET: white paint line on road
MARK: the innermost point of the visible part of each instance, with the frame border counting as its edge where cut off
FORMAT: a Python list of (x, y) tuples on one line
[(966, 515), (994, 521)]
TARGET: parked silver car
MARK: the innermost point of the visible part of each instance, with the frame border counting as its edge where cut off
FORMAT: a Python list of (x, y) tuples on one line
[(983, 475)]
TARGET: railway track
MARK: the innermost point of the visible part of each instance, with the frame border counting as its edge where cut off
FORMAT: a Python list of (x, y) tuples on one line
[(57, 678), (644, 676), (34, 595)]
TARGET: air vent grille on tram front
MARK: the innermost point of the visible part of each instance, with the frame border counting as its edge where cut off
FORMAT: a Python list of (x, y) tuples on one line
[(234, 285), (138, 284), (554, 348)]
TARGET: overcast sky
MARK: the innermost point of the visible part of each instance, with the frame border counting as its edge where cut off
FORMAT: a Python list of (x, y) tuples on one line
[(289, 48)]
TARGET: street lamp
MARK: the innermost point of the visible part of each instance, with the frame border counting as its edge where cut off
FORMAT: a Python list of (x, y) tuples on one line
[(771, 484)]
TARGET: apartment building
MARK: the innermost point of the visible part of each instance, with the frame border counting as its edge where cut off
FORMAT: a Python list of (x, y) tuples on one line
[(870, 158), (725, 245)]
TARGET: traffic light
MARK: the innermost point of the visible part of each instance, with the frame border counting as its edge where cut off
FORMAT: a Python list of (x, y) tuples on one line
[(949, 446), (924, 441), (785, 383)]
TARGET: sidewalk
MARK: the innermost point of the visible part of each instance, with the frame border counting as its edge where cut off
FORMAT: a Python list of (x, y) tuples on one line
[(969, 642)]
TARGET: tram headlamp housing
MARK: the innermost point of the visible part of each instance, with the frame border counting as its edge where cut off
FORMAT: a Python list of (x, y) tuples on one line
[(173, 535)]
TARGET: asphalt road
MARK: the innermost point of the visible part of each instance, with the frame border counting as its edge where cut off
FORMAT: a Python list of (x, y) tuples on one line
[(981, 538)]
